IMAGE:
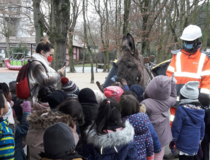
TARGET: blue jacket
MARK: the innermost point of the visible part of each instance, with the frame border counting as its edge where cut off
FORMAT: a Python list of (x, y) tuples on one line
[(188, 129), (118, 145), (21, 131), (142, 137)]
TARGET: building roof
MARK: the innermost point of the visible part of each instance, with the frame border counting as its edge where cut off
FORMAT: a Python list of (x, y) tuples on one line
[(25, 40), (31, 40)]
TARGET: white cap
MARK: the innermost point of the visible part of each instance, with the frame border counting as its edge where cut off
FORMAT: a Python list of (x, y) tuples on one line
[(191, 33)]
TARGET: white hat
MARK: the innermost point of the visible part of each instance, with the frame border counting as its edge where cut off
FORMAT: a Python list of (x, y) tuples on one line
[(191, 33), (190, 90)]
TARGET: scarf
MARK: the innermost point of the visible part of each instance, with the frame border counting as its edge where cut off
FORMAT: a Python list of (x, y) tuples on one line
[(187, 101), (45, 63)]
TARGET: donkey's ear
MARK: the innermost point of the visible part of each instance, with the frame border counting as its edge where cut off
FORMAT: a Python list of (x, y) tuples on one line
[(128, 44)]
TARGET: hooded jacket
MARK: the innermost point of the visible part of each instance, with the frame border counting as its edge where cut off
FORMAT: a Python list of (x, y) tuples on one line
[(188, 129), (142, 137), (39, 121), (161, 93), (117, 145), (40, 74)]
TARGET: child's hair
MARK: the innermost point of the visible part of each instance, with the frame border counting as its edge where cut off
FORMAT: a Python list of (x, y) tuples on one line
[(130, 93), (44, 92), (4, 87), (129, 105), (1, 99), (109, 117), (44, 45), (74, 109)]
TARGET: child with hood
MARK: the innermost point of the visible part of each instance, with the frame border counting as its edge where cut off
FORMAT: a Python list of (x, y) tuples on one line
[(109, 138), (161, 95), (141, 124), (127, 100), (59, 143), (188, 127), (40, 120)]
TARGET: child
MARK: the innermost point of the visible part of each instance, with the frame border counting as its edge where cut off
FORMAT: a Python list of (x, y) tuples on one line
[(161, 95), (109, 138), (7, 143), (69, 87), (142, 125), (21, 131), (42, 99), (41, 119), (59, 143), (188, 127), (4, 87), (113, 92)]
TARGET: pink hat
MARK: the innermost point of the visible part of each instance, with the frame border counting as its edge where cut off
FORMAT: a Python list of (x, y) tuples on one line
[(114, 92)]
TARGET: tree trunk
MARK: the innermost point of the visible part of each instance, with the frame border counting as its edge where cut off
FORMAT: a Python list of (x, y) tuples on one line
[(8, 47), (37, 20), (59, 27), (127, 4), (87, 42), (71, 58), (205, 35), (83, 61), (195, 11)]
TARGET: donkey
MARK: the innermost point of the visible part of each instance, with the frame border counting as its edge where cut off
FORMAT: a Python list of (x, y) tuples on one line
[(131, 64)]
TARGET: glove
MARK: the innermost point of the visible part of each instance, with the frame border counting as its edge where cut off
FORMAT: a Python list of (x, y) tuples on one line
[(26, 106), (172, 146)]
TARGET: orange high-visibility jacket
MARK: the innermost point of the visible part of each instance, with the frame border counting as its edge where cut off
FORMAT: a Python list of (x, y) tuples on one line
[(190, 67)]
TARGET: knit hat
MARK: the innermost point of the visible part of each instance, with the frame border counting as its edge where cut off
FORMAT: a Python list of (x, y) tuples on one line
[(69, 87), (138, 90), (56, 98), (58, 141), (190, 90), (87, 95), (99, 96), (114, 92)]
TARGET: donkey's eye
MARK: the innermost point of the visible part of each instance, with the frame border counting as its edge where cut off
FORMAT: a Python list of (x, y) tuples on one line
[(130, 66)]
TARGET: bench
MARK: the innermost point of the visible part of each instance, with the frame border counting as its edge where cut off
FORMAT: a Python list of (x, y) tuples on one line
[(100, 66)]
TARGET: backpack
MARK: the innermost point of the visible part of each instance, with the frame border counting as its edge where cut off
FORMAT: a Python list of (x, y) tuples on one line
[(22, 83)]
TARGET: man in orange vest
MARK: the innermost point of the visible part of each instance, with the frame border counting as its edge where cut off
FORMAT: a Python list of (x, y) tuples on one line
[(190, 63)]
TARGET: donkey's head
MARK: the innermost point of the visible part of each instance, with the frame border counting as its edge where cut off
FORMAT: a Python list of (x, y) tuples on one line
[(131, 62)]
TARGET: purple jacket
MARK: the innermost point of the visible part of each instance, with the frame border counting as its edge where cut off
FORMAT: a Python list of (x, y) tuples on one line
[(161, 93)]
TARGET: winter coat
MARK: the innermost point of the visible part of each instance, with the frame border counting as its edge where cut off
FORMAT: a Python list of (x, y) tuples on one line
[(117, 145), (40, 74), (17, 108), (40, 105), (188, 129), (20, 132), (162, 95), (39, 121), (142, 137)]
